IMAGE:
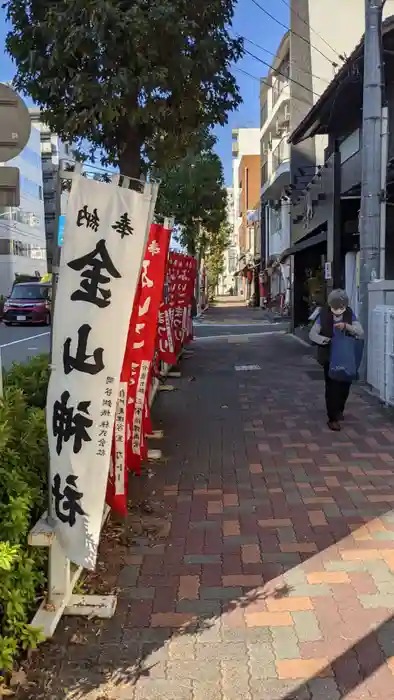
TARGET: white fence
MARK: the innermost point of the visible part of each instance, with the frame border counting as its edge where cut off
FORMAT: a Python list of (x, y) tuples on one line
[(381, 353)]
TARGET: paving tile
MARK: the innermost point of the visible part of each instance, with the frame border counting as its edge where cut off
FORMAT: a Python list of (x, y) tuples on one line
[(329, 577), (303, 668), (189, 587), (268, 619), (273, 578), (285, 643), (306, 626), (289, 604)]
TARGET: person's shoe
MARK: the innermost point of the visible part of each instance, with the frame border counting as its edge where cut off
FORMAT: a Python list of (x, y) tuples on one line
[(334, 425), (341, 417)]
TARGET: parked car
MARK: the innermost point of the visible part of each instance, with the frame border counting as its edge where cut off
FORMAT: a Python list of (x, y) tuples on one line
[(29, 302)]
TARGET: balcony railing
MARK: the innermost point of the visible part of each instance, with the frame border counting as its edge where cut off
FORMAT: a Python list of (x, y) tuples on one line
[(264, 172), (280, 154), (279, 85)]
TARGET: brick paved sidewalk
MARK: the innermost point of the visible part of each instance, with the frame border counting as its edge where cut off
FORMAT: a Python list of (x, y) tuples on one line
[(274, 577)]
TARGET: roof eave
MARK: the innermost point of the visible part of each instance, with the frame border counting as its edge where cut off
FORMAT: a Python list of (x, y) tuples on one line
[(310, 125)]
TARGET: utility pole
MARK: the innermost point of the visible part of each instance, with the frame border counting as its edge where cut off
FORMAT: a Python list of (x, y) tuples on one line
[(371, 160)]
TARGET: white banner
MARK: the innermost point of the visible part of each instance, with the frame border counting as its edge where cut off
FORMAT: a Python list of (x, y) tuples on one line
[(104, 241)]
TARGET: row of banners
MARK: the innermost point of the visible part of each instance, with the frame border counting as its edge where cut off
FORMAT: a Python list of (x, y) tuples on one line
[(123, 306)]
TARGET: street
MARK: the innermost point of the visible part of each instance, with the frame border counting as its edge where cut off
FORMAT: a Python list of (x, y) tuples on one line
[(271, 575), (19, 343)]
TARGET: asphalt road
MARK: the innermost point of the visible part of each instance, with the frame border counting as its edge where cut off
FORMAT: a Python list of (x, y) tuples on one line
[(214, 330), (20, 343)]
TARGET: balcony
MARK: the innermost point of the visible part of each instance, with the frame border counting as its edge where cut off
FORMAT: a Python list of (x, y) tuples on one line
[(280, 154), (278, 176), (280, 100), (277, 88), (264, 173)]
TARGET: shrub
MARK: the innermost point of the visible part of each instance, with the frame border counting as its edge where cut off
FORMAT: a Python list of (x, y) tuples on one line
[(32, 379), (23, 498)]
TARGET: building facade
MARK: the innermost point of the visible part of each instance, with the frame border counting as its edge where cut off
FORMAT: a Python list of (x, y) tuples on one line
[(231, 254), (22, 229), (275, 101), (249, 194), (53, 150), (309, 57), (245, 142), (325, 215)]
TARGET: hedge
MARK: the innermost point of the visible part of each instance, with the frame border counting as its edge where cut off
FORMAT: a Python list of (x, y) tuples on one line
[(23, 499)]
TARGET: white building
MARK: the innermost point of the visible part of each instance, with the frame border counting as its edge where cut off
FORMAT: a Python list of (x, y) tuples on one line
[(53, 149), (226, 281), (245, 142), (22, 229)]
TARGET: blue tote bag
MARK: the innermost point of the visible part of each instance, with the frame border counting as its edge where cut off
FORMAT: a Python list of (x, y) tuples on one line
[(346, 355)]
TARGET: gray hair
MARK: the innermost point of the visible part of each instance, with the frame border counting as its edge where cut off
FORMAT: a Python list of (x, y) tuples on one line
[(338, 298)]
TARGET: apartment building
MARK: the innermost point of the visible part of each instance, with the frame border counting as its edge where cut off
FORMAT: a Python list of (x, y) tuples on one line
[(22, 229), (320, 38), (275, 93), (53, 150), (245, 143)]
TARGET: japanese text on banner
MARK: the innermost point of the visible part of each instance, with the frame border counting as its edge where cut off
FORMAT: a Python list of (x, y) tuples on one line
[(104, 240), (136, 371)]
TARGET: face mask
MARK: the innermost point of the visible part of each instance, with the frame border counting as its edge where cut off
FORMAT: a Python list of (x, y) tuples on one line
[(338, 312)]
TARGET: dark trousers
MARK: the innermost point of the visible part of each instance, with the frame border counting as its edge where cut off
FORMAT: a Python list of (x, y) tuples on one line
[(336, 395)]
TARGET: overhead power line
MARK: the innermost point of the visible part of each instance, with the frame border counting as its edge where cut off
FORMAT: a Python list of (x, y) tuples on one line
[(262, 48), (340, 56), (291, 80), (281, 24), (245, 72)]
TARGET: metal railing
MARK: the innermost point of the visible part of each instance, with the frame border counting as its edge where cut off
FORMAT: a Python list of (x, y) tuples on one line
[(278, 86), (280, 154), (264, 172)]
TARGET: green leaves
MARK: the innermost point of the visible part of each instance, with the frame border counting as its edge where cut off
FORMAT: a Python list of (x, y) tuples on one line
[(193, 192), (23, 496), (118, 73)]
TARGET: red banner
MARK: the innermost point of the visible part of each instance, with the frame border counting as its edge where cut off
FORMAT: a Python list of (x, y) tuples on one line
[(132, 417), (165, 335), (175, 320)]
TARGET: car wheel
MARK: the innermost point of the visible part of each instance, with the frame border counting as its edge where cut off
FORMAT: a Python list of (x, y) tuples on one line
[(7, 323)]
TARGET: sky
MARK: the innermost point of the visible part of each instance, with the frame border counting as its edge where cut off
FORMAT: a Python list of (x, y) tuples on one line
[(250, 22)]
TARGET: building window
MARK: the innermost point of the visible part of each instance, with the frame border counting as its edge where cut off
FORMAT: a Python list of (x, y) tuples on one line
[(30, 188), (30, 156)]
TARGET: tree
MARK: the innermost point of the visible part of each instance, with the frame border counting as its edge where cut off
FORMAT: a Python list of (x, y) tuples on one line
[(137, 79), (215, 257), (193, 192)]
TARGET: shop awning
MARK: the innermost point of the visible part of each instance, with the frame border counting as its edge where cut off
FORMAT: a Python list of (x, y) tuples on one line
[(303, 244)]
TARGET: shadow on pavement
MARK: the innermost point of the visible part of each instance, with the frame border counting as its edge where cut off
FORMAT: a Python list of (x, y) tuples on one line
[(266, 572)]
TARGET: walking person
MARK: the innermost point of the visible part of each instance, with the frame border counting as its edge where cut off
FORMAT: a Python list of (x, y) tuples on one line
[(334, 317)]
